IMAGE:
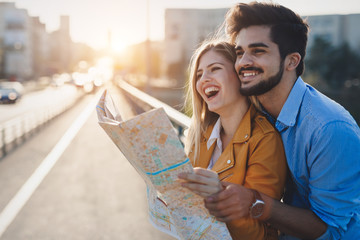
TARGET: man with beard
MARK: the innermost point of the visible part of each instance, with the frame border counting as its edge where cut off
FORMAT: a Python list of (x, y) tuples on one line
[(321, 139)]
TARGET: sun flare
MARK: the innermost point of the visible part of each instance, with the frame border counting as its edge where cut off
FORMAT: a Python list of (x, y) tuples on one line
[(118, 46)]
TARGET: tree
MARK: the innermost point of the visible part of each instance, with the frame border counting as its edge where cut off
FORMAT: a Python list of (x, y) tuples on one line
[(319, 57), (344, 65), (332, 64)]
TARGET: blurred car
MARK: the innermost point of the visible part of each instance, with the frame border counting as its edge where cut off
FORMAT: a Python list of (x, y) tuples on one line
[(10, 92)]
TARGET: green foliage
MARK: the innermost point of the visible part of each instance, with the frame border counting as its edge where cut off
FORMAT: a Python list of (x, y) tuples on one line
[(335, 71), (318, 60), (333, 64)]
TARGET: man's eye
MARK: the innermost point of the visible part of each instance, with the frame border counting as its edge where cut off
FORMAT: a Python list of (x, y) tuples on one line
[(238, 53), (258, 51)]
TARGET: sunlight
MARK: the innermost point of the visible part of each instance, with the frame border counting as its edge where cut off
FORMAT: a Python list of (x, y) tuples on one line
[(118, 46)]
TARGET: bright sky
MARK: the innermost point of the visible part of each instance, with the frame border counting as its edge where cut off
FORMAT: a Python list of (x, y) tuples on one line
[(90, 20)]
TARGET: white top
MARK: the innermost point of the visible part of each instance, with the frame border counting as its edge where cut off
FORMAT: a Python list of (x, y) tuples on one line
[(215, 136)]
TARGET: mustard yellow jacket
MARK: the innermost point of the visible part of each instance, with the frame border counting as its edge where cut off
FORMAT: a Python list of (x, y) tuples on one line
[(254, 158)]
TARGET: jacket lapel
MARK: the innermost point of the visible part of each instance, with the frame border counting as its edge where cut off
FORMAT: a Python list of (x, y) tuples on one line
[(225, 161), (242, 135), (227, 158)]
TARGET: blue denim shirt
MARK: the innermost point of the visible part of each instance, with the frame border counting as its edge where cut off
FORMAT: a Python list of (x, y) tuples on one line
[(322, 146)]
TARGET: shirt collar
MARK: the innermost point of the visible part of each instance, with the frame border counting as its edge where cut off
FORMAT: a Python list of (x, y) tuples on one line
[(291, 108), (215, 135), (243, 132)]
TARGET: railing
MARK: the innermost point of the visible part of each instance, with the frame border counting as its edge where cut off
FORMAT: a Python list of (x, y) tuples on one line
[(146, 102), (17, 130)]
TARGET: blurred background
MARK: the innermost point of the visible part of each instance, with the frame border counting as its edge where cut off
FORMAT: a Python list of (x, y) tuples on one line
[(55, 56), (149, 43)]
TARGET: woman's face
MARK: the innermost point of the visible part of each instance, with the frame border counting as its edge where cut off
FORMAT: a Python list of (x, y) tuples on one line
[(217, 83)]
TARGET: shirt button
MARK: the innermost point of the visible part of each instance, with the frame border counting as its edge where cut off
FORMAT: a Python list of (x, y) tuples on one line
[(228, 161), (246, 136)]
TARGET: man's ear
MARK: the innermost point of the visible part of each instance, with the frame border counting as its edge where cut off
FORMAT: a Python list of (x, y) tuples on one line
[(292, 61)]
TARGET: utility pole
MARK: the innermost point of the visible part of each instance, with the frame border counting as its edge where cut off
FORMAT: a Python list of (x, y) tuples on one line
[(148, 49)]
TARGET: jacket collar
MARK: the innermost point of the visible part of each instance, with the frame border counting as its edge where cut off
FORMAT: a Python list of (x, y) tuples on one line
[(243, 133)]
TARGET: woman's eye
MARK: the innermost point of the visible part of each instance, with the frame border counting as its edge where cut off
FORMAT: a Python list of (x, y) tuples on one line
[(215, 68)]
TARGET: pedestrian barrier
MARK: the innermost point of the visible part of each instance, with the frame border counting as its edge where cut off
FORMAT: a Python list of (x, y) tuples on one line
[(145, 102), (17, 130)]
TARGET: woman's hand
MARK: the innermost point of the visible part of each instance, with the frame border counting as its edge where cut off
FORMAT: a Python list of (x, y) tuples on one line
[(203, 182)]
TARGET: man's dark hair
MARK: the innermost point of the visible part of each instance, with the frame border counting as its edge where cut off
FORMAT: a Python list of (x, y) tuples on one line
[(288, 30)]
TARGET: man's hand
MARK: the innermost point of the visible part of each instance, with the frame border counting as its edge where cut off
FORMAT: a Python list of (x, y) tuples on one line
[(232, 203), (203, 182)]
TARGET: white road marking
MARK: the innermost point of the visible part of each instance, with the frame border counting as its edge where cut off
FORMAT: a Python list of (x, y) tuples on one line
[(23, 195)]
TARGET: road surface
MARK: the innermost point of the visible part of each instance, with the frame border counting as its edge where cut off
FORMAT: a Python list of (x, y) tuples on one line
[(90, 192)]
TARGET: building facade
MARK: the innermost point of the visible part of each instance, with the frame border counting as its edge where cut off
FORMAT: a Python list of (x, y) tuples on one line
[(60, 45), (16, 39), (336, 29), (185, 29), (27, 50)]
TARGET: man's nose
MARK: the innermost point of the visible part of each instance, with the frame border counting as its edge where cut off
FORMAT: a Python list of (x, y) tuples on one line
[(244, 60)]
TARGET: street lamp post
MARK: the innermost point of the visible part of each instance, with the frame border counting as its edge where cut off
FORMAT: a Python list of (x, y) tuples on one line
[(148, 49)]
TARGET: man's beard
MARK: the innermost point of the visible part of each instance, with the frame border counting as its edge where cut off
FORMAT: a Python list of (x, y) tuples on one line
[(265, 85)]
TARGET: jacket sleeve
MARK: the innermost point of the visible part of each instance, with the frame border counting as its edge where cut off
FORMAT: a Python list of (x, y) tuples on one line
[(266, 172), (267, 166)]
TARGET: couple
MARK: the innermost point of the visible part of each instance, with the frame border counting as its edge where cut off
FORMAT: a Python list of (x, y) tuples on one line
[(235, 144)]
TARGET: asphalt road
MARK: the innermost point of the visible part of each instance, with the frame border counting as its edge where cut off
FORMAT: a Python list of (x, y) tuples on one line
[(91, 192)]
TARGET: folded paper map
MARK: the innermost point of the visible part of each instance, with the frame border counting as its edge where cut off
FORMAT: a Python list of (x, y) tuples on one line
[(150, 143)]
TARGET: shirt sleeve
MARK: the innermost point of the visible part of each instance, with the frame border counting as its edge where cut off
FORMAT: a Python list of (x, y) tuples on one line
[(334, 176)]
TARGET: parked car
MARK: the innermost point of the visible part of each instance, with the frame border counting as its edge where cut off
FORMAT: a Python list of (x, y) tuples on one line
[(10, 92)]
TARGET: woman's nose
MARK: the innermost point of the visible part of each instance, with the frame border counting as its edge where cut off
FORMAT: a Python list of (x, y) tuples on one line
[(205, 77)]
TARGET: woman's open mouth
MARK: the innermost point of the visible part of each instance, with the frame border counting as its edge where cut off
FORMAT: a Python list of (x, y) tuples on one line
[(211, 92)]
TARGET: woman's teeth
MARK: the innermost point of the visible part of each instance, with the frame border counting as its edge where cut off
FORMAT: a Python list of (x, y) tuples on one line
[(211, 91)]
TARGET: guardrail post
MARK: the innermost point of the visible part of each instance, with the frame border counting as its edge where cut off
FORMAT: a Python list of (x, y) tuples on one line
[(23, 129), (3, 147)]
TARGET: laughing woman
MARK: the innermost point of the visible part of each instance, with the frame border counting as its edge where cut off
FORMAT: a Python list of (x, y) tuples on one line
[(230, 141)]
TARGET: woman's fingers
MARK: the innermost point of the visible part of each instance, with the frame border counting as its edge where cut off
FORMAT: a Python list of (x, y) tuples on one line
[(206, 172), (201, 189), (203, 182), (197, 178)]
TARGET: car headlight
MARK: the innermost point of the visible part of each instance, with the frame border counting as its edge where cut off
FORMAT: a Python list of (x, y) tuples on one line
[(12, 96)]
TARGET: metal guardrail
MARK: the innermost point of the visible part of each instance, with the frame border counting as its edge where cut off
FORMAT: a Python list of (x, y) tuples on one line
[(17, 130), (146, 102)]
